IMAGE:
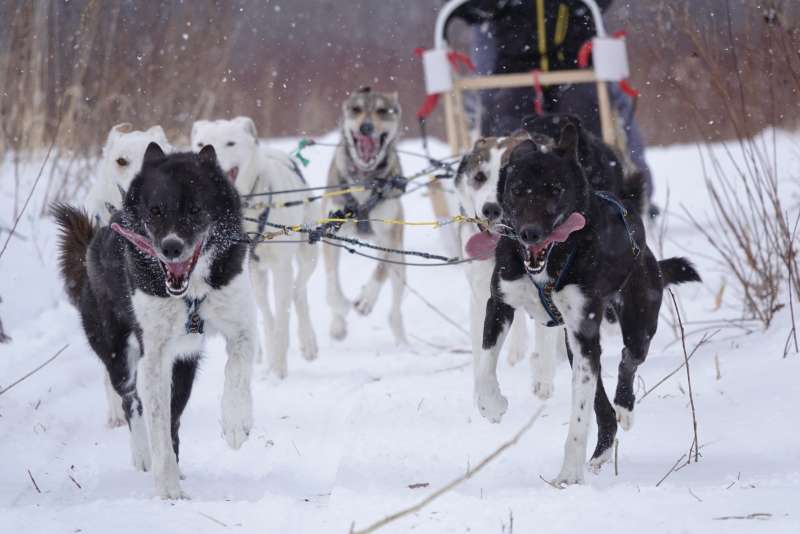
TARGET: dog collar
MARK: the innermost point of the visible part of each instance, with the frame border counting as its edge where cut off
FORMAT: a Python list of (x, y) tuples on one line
[(194, 323), (546, 290)]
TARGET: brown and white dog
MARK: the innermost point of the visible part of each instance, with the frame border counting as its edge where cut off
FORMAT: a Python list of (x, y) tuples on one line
[(367, 156)]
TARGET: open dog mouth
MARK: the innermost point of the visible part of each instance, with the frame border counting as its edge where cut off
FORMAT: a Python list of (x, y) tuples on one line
[(233, 173), (368, 147), (539, 252), (176, 273)]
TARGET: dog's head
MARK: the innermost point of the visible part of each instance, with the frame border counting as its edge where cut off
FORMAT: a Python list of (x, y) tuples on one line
[(124, 151), (477, 180), (544, 194), (178, 208), (370, 123), (235, 142)]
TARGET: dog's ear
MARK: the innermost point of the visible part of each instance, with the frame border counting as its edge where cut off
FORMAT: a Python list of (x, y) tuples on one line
[(123, 127), (153, 155), (157, 131), (568, 142), (249, 125), (208, 156)]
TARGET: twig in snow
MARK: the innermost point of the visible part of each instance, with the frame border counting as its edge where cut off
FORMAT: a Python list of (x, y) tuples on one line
[(53, 357), (35, 183), (75, 481), (716, 366), (693, 495), (671, 469), (696, 442), (418, 485), (217, 521), (466, 476), (551, 483), (756, 515), (705, 339), (35, 485)]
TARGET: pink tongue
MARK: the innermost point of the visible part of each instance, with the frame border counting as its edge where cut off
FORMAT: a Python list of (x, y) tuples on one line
[(481, 245), (141, 242), (574, 222), (179, 268), (366, 147), (233, 173)]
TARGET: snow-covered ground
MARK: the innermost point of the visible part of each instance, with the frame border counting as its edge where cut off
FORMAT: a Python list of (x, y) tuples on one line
[(344, 439)]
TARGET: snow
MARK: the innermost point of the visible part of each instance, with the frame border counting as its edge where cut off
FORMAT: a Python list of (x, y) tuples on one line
[(343, 438)]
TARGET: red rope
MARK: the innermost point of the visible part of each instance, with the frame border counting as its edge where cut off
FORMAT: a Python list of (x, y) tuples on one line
[(456, 59)]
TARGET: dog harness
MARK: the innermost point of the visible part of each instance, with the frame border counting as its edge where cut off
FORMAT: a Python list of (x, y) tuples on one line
[(194, 323), (379, 188), (546, 290)]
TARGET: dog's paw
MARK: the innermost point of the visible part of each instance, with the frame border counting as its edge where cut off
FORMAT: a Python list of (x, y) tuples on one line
[(171, 492), (308, 347), (338, 328), (543, 389), (115, 420), (568, 477), (491, 403), (515, 356), (279, 369), (364, 304), (596, 463), (237, 420), (140, 458), (624, 417)]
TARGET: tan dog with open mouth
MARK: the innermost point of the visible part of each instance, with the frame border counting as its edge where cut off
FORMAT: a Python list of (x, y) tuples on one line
[(367, 156)]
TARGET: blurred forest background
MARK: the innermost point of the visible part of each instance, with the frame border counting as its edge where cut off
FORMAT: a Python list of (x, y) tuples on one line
[(707, 69)]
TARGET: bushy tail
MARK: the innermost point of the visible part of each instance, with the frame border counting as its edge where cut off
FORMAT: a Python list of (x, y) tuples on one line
[(633, 191), (678, 271), (77, 231)]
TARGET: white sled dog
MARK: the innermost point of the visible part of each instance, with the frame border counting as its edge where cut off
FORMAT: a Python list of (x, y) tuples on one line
[(255, 168), (367, 155), (476, 188), (121, 161)]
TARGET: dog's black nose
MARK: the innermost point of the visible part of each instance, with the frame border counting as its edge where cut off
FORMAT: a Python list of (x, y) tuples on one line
[(491, 210), (366, 128), (531, 233), (172, 248)]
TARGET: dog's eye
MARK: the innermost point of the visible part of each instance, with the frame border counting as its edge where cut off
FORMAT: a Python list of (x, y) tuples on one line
[(356, 110), (480, 178), (384, 111), (155, 211), (122, 162), (556, 191), (194, 210), (230, 143), (199, 145)]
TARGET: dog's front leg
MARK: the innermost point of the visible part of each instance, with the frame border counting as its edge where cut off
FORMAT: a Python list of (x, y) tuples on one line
[(583, 327), (156, 391), (519, 339), (259, 277), (336, 300), (547, 342), (279, 342), (499, 317)]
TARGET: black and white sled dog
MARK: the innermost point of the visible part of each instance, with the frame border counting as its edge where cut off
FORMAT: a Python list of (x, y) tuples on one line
[(168, 269), (121, 160), (255, 168), (476, 188), (569, 253), (367, 156)]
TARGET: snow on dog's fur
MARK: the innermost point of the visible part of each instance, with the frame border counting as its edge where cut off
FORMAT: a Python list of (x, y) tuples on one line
[(255, 168), (168, 269), (121, 161), (476, 184)]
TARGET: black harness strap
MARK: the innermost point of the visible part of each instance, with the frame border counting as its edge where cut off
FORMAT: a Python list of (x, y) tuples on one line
[(194, 323), (379, 191)]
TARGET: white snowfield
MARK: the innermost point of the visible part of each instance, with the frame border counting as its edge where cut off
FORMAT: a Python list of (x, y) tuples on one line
[(368, 428)]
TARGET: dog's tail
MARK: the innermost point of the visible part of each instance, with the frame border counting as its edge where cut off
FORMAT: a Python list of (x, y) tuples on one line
[(678, 271), (77, 231), (633, 191)]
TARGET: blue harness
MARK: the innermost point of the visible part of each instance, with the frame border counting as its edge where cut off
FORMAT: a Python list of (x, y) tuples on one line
[(546, 290), (194, 323)]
